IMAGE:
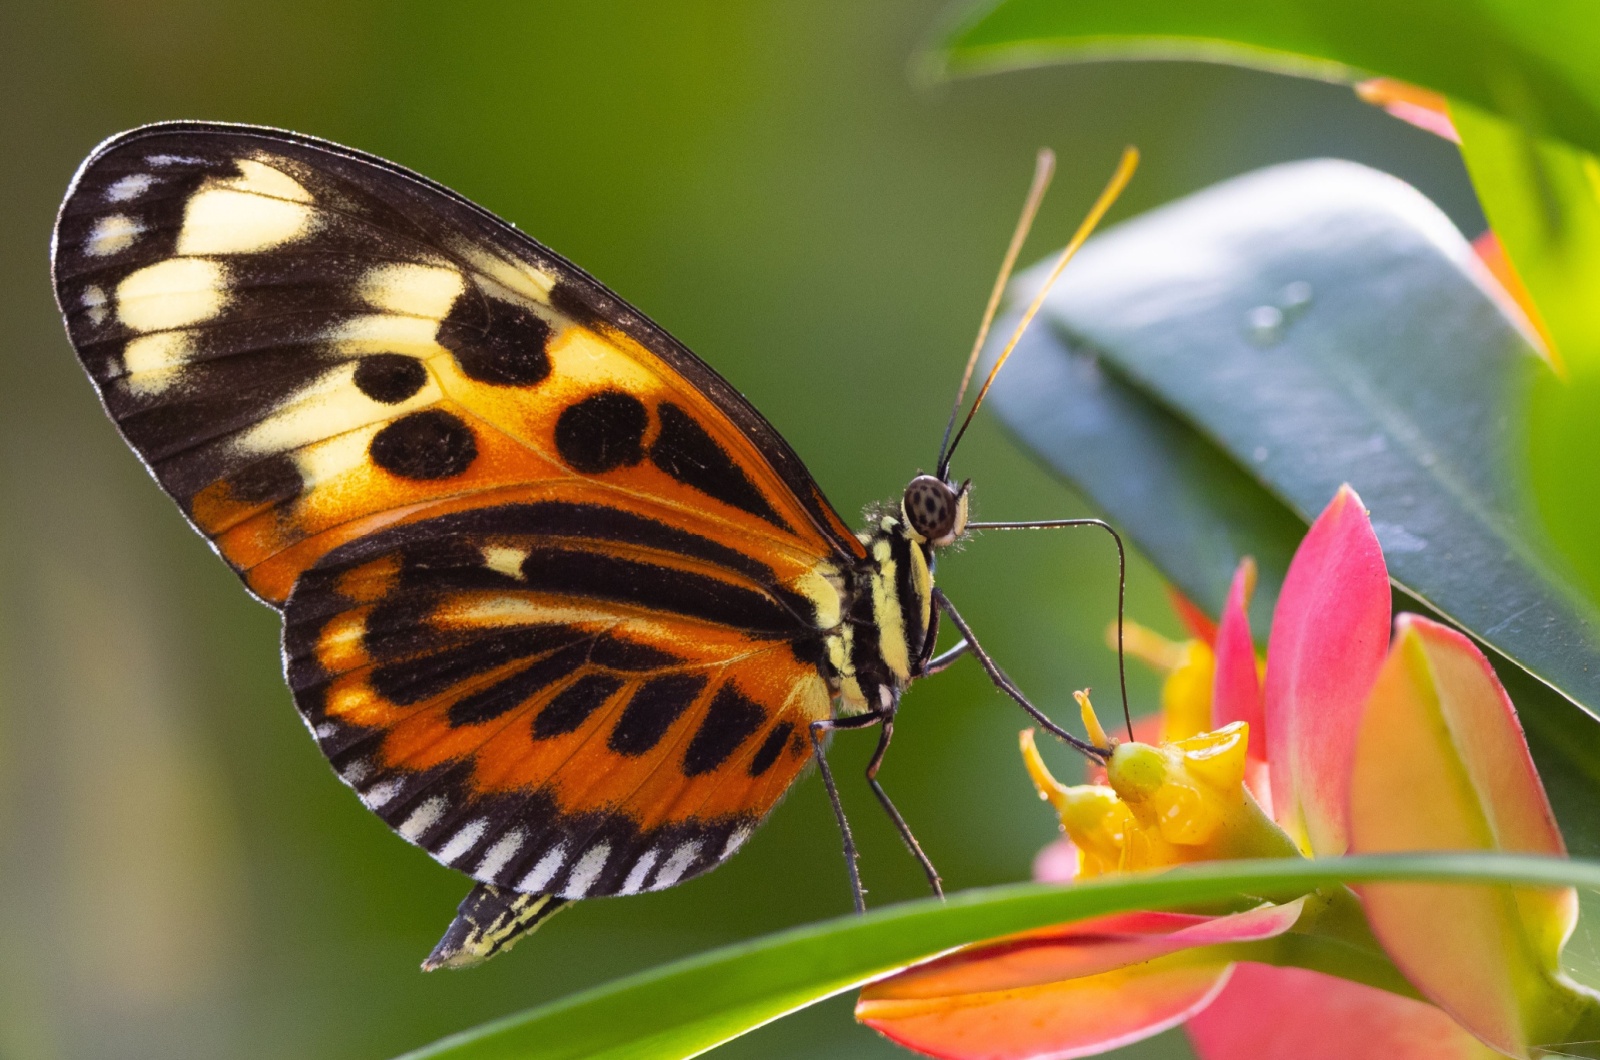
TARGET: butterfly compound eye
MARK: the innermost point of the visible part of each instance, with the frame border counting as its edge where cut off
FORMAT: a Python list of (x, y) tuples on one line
[(933, 509)]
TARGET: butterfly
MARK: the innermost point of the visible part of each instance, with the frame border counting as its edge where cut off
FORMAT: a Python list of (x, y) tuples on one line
[(558, 603)]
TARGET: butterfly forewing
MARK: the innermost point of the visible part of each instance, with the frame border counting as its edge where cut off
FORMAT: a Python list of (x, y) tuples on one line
[(555, 595), (307, 345)]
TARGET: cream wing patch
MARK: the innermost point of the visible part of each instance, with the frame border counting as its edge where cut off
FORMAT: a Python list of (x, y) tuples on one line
[(426, 291), (175, 293), (152, 361), (258, 210), (112, 235), (330, 407)]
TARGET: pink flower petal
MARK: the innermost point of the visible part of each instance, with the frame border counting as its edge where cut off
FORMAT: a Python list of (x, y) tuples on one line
[(1269, 1013), (1237, 691), (1056, 862), (1441, 764), (1067, 991), (1328, 640)]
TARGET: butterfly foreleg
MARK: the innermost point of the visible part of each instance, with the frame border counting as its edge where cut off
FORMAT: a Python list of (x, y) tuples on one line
[(900, 825), (1008, 686)]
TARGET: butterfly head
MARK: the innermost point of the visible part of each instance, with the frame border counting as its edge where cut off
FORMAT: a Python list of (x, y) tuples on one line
[(936, 509)]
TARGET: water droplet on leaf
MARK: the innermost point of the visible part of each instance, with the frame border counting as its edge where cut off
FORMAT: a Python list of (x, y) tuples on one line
[(1264, 324)]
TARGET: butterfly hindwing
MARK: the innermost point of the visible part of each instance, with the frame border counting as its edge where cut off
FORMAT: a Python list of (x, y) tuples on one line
[(555, 595), (544, 724)]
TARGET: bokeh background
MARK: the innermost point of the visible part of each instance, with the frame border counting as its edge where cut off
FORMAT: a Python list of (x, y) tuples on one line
[(180, 874)]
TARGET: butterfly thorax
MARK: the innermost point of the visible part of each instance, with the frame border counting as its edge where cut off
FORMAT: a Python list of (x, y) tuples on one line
[(883, 642)]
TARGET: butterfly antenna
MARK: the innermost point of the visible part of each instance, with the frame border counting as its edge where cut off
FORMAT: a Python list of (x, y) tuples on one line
[(1044, 167), (1113, 188)]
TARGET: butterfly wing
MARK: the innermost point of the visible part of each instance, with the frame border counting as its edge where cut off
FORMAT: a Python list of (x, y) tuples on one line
[(552, 588), (556, 697)]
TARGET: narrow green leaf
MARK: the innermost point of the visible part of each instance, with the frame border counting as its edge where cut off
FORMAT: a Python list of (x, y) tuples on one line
[(1532, 63), (1543, 200), (1321, 323), (690, 1006)]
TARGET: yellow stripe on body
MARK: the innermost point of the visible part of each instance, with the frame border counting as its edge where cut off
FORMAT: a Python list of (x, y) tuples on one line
[(886, 612)]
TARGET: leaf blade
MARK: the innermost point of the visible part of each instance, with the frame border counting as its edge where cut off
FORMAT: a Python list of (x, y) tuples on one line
[(693, 1005)]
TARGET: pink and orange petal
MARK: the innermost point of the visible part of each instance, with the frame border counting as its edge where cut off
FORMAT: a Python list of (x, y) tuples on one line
[(1426, 109), (1442, 765), (1068, 991)]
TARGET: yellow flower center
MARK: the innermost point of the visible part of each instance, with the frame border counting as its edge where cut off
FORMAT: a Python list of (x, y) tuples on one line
[(1162, 804)]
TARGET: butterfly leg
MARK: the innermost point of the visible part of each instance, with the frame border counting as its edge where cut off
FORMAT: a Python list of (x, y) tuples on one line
[(943, 660), (894, 814), (1009, 687), (818, 730)]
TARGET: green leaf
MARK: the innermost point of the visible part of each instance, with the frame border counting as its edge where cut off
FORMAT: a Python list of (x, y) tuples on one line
[(690, 1006), (1543, 200), (1532, 63), (1322, 323), (1179, 498)]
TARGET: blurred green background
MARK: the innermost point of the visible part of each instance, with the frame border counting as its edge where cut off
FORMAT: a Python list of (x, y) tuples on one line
[(180, 873)]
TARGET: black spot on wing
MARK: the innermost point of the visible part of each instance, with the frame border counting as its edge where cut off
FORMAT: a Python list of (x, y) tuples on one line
[(572, 706), (651, 711), (770, 748), (516, 689), (496, 342), (581, 305), (397, 628), (730, 720), (685, 451), (602, 432), (431, 444), (390, 377), (269, 481)]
